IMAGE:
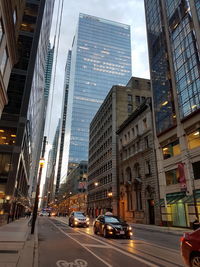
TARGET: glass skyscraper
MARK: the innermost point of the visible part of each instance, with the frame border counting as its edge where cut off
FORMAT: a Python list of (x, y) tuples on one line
[(101, 57), (173, 29)]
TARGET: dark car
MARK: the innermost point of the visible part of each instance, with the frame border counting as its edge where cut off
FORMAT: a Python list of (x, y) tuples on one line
[(112, 226), (190, 248), (78, 218)]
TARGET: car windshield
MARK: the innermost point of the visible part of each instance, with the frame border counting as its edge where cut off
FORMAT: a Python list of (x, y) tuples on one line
[(79, 214), (110, 219)]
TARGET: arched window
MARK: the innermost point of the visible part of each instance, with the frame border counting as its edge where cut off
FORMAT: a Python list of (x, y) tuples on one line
[(128, 174)]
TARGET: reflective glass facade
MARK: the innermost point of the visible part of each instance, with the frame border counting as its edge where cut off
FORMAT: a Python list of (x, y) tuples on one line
[(161, 83), (172, 21), (101, 57), (185, 56)]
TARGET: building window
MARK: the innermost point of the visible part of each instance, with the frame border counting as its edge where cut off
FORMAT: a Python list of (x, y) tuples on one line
[(146, 140), (7, 136), (130, 98), (14, 16), (143, 99), (194, 139), (172, 177), (145, 123), (196, 170), (147, 167), (130, 108), (5, 164), (137, 100), (136, 129), (133, 132), (4, 61), (1, 31), (171, 149), (128, 135), (139, 199)]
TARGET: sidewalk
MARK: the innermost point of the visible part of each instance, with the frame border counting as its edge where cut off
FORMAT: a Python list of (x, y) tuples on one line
[(161, 229), (17, 245)]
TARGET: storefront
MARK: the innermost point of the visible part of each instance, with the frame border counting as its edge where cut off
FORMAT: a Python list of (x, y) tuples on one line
[(178, 209)]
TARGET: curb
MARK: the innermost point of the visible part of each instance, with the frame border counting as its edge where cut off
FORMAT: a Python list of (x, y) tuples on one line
[(161, 230), (35, 252)]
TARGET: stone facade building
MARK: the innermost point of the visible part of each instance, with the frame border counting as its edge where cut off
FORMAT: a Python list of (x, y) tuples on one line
[(138, 183), (102, 167)]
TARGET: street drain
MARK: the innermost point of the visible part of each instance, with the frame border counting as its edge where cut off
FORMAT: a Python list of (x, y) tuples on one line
[(9, 251)]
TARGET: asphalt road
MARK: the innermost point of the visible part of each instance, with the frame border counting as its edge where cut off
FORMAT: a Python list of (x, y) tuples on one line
[(63, 246)]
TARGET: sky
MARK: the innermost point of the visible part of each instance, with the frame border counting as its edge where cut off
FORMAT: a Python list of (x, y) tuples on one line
[(129, 12)]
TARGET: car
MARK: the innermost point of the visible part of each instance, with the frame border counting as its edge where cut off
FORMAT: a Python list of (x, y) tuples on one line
[(190, 248), (110, 225), (43, 213), (78, 218)]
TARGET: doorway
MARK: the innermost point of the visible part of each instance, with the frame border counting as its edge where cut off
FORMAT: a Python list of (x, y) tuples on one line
[(151, 211)]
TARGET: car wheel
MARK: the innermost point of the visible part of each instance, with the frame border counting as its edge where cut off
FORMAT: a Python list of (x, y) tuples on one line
[(195, 260), (105, 233), (95, 230)]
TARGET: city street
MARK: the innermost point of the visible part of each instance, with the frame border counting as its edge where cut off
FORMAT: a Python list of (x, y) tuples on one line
[(62, 246)]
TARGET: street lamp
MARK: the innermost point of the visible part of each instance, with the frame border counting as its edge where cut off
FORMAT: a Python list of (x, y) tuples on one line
[(96, 183), (35, 209)]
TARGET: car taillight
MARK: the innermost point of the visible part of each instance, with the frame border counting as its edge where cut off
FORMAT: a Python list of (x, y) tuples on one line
[(182, 239)]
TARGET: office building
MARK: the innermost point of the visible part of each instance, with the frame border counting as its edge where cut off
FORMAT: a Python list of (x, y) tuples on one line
[(11, 17), (22, 119), (120, 102), (137, 170), (63, 123), (50, 182), (173, 30), (101, 57)]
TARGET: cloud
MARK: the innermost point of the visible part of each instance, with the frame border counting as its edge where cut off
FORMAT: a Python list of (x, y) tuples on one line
[(128, 12)]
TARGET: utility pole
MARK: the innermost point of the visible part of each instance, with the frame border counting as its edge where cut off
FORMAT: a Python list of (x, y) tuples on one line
[(41, 165)]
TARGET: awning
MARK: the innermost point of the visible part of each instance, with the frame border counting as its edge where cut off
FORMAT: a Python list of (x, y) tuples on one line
[(190, 199), (171, 198)]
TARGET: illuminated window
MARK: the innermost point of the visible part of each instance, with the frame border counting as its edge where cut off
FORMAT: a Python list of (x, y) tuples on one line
[(194, 139), (171, 149), (172, 177), (7, 136)]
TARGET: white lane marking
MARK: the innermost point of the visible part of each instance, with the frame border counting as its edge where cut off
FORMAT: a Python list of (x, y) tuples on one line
[(96, 246), (106, 263), (114, 248), (77, 263)]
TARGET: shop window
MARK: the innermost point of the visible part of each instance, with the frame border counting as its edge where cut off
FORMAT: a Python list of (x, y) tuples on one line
[(171, 149), (7, 136), (196, 170), (172, 177), (194, 139)]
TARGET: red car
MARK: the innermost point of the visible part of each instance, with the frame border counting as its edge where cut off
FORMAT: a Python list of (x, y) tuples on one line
[(190, 248)]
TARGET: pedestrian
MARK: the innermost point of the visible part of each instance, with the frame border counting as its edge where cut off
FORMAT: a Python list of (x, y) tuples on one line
[(109, 212), (196, 224)]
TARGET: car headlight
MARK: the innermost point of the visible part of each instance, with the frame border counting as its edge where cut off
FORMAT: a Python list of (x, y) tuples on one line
[(75, 219), (87, 219), (129, 228), (109, 227)]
